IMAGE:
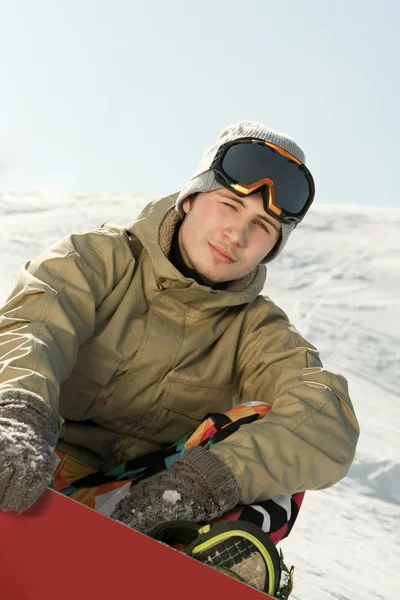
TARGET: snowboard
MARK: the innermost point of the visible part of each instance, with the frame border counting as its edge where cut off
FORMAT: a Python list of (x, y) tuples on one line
[(60, 549)]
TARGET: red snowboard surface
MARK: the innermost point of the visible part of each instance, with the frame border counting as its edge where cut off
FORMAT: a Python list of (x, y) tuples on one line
[(60, 549)]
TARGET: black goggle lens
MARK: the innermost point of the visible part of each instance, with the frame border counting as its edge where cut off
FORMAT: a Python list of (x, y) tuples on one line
[(248, 163)]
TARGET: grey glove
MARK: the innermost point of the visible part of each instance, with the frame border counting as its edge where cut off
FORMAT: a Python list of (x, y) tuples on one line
[(28, 435), (197, 488)]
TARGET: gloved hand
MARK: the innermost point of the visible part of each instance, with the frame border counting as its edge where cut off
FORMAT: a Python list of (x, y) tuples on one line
[(197, 488), (28, 435)]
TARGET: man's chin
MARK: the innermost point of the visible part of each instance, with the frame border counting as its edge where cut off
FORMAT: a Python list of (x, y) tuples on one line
[(211, 278), (213, 274), (214, 278)]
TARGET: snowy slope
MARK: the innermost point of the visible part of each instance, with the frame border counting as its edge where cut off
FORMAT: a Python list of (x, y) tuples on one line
[(339, 281)]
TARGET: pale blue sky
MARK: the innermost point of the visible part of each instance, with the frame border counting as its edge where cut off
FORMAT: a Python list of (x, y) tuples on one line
[(124, 96)]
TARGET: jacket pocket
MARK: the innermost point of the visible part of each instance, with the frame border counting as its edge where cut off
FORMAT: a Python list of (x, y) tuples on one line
[(88, 382), (184, 405)]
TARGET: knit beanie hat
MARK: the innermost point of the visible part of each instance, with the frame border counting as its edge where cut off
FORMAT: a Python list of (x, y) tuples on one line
[(203, 179)]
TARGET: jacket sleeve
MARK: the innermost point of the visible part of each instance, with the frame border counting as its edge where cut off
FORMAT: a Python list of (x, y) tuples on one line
[(51, 310), (307, 440)]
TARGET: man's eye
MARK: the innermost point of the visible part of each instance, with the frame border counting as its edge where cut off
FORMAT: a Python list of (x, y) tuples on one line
[(262, 225), (230, 205)]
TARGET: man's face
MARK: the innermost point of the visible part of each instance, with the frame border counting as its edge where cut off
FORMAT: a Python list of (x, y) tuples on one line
[(223, 236)]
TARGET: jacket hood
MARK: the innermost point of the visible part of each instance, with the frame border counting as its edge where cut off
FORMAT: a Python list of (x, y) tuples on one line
[(154, 228)]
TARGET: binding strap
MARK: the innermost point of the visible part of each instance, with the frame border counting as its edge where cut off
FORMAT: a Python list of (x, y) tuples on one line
[(200, 542)]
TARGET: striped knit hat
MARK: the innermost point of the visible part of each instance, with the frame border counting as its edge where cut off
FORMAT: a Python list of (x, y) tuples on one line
[(203, 179)]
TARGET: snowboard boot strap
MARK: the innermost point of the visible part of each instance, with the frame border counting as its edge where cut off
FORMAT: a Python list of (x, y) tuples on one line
[(238, 549)]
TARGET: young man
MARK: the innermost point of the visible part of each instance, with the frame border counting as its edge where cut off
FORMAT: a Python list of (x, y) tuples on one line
[(115, 343)]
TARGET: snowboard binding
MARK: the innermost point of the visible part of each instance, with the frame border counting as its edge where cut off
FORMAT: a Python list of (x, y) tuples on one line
[(238, 549)]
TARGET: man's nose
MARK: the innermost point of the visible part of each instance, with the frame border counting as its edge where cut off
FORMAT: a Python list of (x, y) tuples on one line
[(236, 233)]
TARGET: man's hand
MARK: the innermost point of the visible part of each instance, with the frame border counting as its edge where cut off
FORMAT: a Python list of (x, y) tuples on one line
[(28, 435), (197, 488)]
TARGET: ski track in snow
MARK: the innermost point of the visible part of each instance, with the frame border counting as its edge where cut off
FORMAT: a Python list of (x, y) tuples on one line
[(338, 279)]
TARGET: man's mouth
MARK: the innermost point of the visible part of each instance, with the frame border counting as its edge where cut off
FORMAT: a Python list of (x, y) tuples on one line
[(221, 254)]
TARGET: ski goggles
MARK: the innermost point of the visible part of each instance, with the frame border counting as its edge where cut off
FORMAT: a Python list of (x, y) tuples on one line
[(250, 165)]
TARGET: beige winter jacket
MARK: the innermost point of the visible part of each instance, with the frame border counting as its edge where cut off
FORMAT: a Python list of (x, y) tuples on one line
[(133, 355)]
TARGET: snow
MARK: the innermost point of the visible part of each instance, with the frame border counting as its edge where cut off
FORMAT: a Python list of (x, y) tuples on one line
[(338, 279), (171, 496)]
